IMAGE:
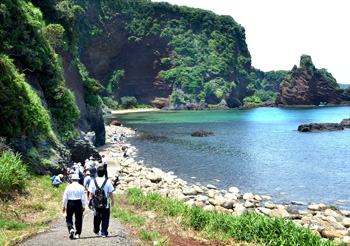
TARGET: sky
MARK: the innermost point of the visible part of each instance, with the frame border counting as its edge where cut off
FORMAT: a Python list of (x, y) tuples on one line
[(278, 32)]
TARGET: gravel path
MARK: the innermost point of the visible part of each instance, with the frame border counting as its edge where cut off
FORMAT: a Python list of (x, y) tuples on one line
[(58, 234)]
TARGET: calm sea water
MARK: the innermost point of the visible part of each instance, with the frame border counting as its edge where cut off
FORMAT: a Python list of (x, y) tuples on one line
[(257, 150)]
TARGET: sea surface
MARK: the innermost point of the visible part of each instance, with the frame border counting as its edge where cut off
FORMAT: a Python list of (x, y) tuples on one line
[(257, 150)]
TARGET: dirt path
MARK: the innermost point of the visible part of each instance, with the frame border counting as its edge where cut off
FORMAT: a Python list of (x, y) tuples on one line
[(58, 232)]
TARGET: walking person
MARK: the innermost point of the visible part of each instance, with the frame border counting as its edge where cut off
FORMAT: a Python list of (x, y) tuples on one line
[(101, 215), (75, 199), (104, 164)]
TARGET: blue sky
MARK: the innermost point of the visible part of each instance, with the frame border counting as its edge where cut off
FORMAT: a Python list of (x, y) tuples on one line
[(278, 32)]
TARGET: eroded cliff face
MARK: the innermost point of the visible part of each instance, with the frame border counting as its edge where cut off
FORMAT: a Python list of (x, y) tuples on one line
[(141, 61), (306, 85), (91, 118)]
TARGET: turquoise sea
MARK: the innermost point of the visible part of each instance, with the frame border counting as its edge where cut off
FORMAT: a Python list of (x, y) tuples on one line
[(257, 150)]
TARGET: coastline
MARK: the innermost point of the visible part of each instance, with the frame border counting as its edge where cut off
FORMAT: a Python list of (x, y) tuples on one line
[(141, 110), (128, 173)]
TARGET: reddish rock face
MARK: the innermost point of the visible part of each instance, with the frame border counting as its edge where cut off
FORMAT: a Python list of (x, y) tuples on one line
[(141, 60), (306, 85)]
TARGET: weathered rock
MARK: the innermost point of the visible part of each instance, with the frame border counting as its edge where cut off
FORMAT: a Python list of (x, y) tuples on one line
[(202, 133), (298, 203), (202, 199), (239, 209), (198, 189), (209, 208), (346, 222), (211, 193), (270, 205), (307, 85), (330, 234), (227, 204), (279, 213), (334, 214), (314, 207), (345, 123), (263, 210), (248, 196), (184, 198), (258, 198), (213, 202), (230, 196), (154, 178), (320, 127), (249, 204), (190, 192), (209, 186), (233, 190)]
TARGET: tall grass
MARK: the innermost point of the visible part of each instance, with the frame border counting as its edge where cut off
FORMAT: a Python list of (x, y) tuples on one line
[(251, 227), (13, 173)]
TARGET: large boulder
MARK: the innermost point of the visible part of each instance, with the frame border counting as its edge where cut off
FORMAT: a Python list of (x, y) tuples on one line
[(322, 127), (82, 149)]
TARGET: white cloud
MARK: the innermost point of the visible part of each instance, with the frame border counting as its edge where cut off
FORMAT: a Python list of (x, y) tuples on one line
[(279, 32)]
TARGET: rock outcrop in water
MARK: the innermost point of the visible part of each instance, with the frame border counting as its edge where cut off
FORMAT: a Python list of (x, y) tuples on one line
[(307, 86), (320, 127)]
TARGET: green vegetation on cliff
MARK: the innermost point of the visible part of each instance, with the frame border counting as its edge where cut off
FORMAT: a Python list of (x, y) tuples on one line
[(23, 37), (209, 61)]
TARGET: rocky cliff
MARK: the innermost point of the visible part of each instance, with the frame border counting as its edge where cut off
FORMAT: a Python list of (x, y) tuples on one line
[(307, 85), (168, 54)]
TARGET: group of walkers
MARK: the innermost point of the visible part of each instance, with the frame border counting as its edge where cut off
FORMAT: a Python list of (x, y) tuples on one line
[(95, 191)]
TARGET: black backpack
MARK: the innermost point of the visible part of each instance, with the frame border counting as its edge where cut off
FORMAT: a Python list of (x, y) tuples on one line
[(100, 198)]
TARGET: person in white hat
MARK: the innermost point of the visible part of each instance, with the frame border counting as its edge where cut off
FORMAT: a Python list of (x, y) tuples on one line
[(75, 199)]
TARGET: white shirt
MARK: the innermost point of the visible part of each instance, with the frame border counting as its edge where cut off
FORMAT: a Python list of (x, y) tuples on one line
[(107, 188), (104, 160), (74, 191)]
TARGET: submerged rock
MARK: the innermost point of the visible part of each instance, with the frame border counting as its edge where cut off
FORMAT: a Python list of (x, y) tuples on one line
[(202, 133)]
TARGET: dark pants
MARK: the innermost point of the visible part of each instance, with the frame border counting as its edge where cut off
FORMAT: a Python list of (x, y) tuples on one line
[(105, 169), (74, 207), (102, 216)]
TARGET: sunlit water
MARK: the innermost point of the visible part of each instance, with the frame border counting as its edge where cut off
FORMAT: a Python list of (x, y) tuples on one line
[(257, 150)]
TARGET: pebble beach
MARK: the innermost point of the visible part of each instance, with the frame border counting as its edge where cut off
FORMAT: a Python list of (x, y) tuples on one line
[(328, 221)]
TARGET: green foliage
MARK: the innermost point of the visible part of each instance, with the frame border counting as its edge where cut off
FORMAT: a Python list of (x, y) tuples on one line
[(12, 224), (128, 102), (266, 95), (23, 36), (110, 103), (21, 108), (53, 33), (269, 81), (112, 82), (252, 100), (92, 87), (13, 173), (329, 77), (306, 59), (251, 227), (148, 236), (127, 217)]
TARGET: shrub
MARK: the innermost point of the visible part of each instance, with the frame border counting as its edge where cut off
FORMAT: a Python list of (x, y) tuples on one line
[(128, 102), (13, 173)]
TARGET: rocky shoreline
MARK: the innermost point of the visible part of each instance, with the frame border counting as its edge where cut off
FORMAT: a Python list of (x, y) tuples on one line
[(328, 221)]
